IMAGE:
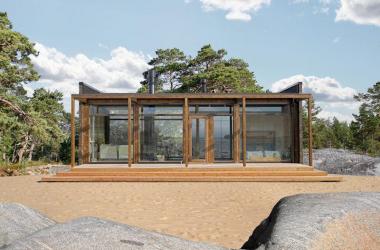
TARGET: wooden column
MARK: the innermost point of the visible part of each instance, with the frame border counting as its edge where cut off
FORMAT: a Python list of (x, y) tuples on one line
[(236, 133), (136, 133), (186, 132), (310, 143), (72, 128), (84, 147), (210, 139), (129, 132), (244, 128)]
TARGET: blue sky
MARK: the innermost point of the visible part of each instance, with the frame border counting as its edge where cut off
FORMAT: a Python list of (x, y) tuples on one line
[(332, 45)]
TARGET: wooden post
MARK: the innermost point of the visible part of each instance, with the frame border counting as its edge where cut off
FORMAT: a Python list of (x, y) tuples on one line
[(310, 143), (186, 132), (136, 133), (210, 139), (72, 127), (244, 127), (129, 132), (84, 137), (236, 133)]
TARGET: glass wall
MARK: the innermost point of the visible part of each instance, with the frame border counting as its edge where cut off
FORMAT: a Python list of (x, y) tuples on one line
[(268, 133), (161, 130), (223, 137), (198, 138), (109, 133)]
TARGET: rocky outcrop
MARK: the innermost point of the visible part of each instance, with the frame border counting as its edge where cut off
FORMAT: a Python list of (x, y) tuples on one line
[(320, 221), (341, 161), (18, 221), (85, 233)]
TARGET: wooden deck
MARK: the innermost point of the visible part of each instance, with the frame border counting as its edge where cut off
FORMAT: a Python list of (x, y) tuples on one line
[(218, 172)]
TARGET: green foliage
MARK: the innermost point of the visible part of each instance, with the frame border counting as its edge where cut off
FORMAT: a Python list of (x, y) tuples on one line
[(362, 134), (15, 63), (366, 125), (180, 73), (27, 124)]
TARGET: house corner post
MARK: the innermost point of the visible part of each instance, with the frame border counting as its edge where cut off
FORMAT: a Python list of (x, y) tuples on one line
[(310, 132), (72, 128), (129, 132), (244, 132)]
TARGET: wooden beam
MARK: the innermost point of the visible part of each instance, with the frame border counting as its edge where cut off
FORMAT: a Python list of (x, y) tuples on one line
[(244, 128), (163, 96), (186, 132), (236, 133), (72, 127), (310, 143), (129, 132)]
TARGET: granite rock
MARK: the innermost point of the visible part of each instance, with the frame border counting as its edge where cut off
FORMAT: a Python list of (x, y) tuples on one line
[(18, 221), (94, 233), (304, 221)]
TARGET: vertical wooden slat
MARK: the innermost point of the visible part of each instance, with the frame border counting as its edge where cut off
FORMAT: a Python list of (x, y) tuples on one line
[(136, 133), (244, 128), (129, 132), (186, 132), (72, 127), (309, 115), (236, 133), (85, 132)]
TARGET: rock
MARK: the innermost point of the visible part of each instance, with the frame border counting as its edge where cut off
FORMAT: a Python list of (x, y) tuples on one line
[(320, 221), (340, 161), (58, 169), (94, 233), (17, 221)]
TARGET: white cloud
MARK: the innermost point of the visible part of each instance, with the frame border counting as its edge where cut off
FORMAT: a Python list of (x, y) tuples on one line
[(236, 9), (334, 99), (324, 89), (359, 11), (122, 72), (325, 114)]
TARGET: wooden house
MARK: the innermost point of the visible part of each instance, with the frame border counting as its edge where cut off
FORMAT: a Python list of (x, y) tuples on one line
[(191, 137)]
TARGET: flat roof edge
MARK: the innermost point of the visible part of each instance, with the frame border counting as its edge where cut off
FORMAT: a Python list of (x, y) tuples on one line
[(193, 96)]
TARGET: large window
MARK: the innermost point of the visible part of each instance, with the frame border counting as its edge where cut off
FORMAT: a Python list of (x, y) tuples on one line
[(161, 129), (109, 133), (268, 133)]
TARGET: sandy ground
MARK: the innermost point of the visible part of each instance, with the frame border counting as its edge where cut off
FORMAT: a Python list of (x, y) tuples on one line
[(220, 213)]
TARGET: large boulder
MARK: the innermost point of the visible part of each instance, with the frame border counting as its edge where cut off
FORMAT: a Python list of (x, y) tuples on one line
[(346, 162), (94, 233), (321, 221), (18, 221)]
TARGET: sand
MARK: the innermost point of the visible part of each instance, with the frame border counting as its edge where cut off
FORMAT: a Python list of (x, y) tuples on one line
[(220, 213)]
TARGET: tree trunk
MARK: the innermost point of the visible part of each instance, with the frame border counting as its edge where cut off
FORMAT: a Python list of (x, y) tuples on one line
[(31, 151), (21, 151), (14, 153)]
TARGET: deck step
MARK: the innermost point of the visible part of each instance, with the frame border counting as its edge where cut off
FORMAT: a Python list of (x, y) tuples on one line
[(194, 173), (191, 179), (189, 169)]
